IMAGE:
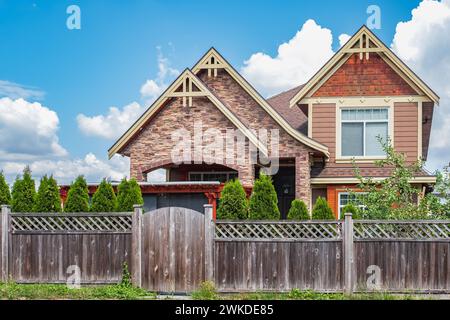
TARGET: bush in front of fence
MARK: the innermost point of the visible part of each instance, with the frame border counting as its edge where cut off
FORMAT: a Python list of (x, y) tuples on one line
[(5, 195), (321, 210), (78, 196), (233, 202), (104, 199), (264, 201), (47, 198), (23, 193), (298, 210), (128, 194)]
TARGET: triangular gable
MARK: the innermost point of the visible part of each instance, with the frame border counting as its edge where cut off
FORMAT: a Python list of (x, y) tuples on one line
[(212, 61), (186, 86), (364, 43)]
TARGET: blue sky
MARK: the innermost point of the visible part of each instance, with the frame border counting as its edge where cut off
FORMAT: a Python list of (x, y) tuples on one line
[(107, 62)]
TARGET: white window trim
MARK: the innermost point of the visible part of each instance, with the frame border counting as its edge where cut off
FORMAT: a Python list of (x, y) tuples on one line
[(339, 201), (210, 172), (375, 104)]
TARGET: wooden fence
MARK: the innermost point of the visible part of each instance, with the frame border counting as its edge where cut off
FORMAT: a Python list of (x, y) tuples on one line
[(50, 248), (175, 249)]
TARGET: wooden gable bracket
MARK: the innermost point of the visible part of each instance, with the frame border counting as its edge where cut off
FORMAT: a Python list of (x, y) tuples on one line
[(211, 61), (363, 45), (187, 90)]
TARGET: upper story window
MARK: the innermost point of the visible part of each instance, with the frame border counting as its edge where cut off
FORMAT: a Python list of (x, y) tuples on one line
[(360, 129), (213, 176)]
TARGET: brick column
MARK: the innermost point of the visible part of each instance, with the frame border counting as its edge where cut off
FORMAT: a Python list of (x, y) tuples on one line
[(303, 178), (247, 175)]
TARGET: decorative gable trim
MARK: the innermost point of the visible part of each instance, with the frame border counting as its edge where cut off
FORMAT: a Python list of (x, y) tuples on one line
[(186, 86), (206, 62), (364, 42)]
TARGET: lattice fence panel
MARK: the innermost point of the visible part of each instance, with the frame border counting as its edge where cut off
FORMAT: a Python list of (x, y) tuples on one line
[(415, 230), (66, 222), (278, 230)]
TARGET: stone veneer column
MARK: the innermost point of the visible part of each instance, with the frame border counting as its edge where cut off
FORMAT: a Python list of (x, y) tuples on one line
[(303, 179), (247, 175)]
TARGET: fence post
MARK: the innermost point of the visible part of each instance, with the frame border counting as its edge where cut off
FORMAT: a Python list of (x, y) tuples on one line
[(6, 211), (136, 246), (348, 253), (209, 242)]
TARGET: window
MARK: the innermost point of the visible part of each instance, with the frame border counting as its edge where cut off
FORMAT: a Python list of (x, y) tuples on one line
[(346, 198), (212, 176), (360, 129)]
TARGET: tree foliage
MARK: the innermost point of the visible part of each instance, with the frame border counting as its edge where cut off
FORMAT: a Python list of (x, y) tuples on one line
[(104, 199), (394, 197), (322, 211), (128, 194), (5, 194), (264, 201), (47, 197), (24, 193), (298, 210), (350, 208), (78, 196), (233, 202)]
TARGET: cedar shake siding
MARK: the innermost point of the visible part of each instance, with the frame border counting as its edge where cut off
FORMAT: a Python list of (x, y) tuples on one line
[(373, 77)]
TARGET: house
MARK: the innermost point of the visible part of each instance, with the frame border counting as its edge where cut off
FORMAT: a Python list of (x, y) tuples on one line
[(362, 92)]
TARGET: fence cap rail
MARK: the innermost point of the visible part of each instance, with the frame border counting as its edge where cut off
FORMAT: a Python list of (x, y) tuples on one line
[(402, 221), (279, 222), (71, 214)]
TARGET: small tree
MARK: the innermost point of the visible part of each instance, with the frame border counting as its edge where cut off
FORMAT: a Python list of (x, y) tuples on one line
[(298, 210), (23, 193), (78, 196), (264, 200), (233, 202), (322, 210), (5, 194), (48, 198), (128, 194), (104, 199), (350, 208)]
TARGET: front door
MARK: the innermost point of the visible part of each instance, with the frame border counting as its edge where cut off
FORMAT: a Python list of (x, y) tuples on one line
[(284, 183)]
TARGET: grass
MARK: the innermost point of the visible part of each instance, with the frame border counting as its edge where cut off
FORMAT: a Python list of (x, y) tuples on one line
[(207, 291), (14, 291)]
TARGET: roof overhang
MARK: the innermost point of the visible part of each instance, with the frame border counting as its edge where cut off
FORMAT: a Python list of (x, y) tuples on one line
[(415, 180), (364, 42)]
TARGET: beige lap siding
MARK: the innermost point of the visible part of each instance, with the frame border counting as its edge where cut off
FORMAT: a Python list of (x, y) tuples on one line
[(405, 129), (324, 126)]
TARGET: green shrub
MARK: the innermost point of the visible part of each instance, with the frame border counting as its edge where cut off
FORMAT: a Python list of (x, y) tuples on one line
[(298, 210), (322, 210), (5, 194), (23, 193), (264, 200), (126, 277), (350, 208), (128, 194), (104, 199), (233, 202), (207, 291), (78, 196), (48, 198)]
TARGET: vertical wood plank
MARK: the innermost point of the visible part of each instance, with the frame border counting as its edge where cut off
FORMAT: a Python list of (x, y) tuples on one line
[(209, 242), (6, 211), (136, 246)]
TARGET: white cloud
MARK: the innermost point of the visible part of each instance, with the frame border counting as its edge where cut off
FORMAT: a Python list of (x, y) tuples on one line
[(66, 170), (28, 130), (118, 120), (111, 125), (423, 43), (343, 38), (16, 91), (297, 60)]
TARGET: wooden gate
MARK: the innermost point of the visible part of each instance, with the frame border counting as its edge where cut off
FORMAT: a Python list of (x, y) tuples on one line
[(169, 250)]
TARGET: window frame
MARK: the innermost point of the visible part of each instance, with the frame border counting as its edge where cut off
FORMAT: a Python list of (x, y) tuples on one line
[(339, 121), (340, 207), (202, 173)]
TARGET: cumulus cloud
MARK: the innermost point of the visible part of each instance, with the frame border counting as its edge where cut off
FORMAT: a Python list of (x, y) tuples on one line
[(28, 130), (424, 45), (16, 91), (113, 124), (66, 170), (343, 38), (296, 61)]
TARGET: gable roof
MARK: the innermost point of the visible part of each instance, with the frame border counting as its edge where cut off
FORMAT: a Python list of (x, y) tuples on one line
[(191, 87), (296, 118), (364, 42), (213, 60)]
